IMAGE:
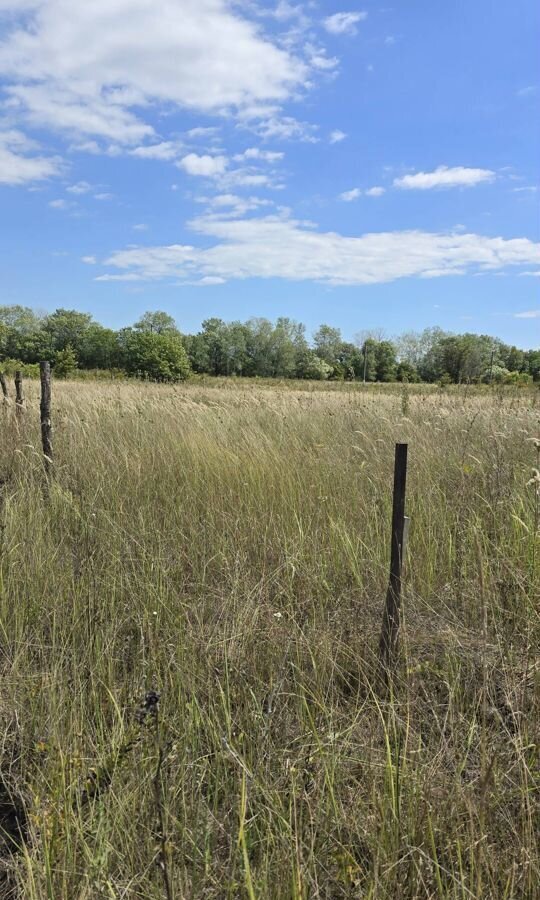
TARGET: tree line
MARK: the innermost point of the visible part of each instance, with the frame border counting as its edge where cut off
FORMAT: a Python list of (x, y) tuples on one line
[(154, 348)]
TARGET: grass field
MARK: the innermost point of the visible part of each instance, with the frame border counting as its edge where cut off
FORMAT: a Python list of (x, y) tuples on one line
[(226, 544)]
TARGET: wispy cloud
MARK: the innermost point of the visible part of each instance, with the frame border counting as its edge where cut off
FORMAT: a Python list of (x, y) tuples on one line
[(337, 136), (343, 22), (165, 150), (81, 187), (445, 177), (355, 193), (528, 91), (529, 314), (285, 128), (269, 156), (17, 164)]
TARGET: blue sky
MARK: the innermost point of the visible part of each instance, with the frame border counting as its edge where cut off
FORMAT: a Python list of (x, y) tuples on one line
[(363, 165)]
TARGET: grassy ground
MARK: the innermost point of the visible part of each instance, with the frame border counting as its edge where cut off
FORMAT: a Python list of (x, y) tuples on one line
[(227, 547)]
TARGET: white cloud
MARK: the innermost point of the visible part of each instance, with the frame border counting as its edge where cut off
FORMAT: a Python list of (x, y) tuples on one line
[(89, 260), (350, 195), (533, 274), (199, 131), (92, 68), (166, 150), (530, 314), (337, 136), (59, 204), (278, 247), (445, 177), (207, 281), (208, 166), (247, 178), (233, 205), (318, 58), (344, 22), (16, 167), (103, 196), (66, 109), (82, 187), (269, 156), (141, 226), (285, 128), (528, 91), (376, 191)]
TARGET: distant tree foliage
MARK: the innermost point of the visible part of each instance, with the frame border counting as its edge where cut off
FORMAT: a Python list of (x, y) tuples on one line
[(154, 348)]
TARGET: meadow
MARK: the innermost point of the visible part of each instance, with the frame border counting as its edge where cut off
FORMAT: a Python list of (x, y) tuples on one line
[(225, 544)]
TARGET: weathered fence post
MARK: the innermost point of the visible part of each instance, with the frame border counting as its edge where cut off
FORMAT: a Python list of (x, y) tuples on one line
[(45, 412), (391, 618), (3, 385), (19, 396)]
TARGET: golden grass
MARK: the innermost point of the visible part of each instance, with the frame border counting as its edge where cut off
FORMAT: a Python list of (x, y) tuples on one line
[(226, 544)]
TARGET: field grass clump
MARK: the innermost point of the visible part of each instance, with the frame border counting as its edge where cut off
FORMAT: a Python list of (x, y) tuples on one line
[(226, 548)]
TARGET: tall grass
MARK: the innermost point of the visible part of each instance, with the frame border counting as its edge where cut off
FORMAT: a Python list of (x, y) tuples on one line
[(228, 547)]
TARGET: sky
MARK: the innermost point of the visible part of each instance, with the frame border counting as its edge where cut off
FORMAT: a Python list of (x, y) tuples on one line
[(364, 165)]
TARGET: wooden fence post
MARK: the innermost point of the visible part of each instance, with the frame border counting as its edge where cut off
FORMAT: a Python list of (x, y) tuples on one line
[(45, 412), (3, 385), (391, 618), (19, 396)]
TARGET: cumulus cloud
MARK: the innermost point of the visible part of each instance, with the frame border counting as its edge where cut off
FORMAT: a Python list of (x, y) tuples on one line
[(353, 194), (17, 167), (89, 260), (344, 22), (445, 177), (275, 246), (375, 191), (337, 136), (208, 166), (84, 68)]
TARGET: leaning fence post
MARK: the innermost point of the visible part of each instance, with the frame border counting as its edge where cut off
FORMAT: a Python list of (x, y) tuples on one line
[(3, 385), (19, 396), (45, 412), (391, 618)]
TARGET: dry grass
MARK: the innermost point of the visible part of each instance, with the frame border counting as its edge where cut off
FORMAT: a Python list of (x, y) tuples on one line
[(227, 546)]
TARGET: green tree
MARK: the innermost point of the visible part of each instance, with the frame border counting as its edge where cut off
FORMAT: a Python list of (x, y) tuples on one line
[(65, 362), (98, 348), (156, 321), (327, 341), (159, 357), (310, 365), (66, 326), (385, 361)]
